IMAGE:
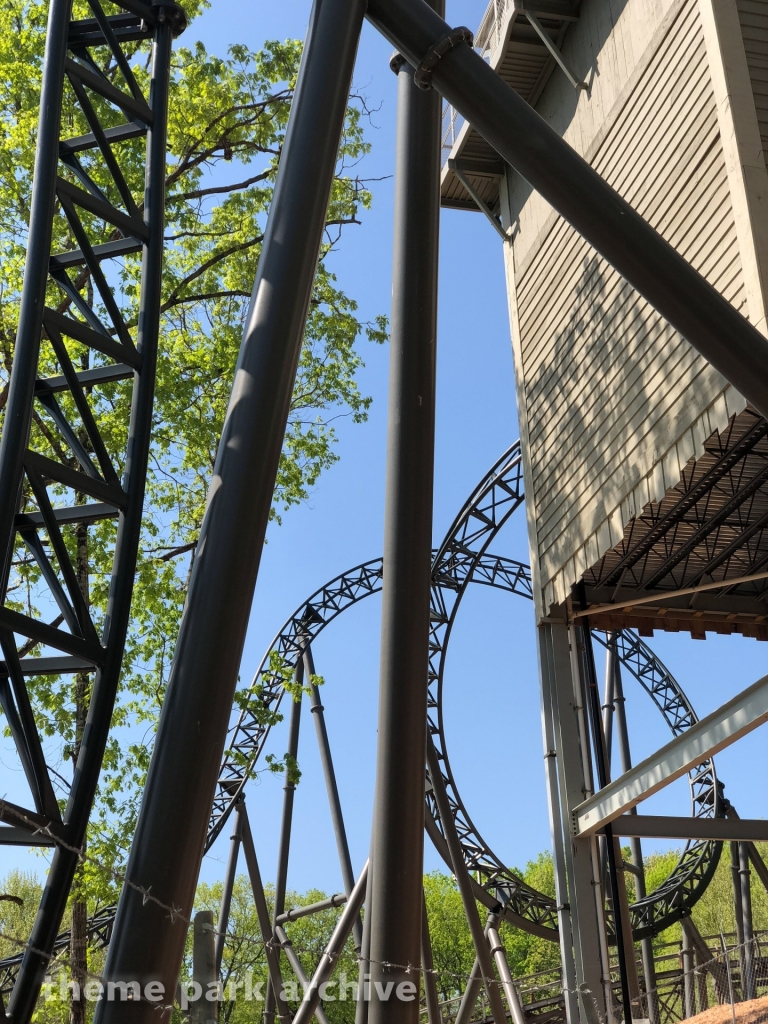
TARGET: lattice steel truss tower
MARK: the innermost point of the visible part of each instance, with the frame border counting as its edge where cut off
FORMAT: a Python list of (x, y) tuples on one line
[(58, 473)]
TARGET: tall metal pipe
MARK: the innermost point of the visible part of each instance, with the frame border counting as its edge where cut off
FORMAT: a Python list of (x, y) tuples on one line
[(363, 986), (398, 828), (686, 961), (284, 848), (265, 924), (339, 830), (428, 970), (527, 142), (500, 956), (470, 994), (625, 756), (289, 792), (554, 797), (461, 874), (229, 883), (333, 950), (748, 983), (738, 912), (147, 942), (593, 704)]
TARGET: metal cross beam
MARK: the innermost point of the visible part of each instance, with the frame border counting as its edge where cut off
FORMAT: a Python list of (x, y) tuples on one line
[(735, 719), (662, 826)]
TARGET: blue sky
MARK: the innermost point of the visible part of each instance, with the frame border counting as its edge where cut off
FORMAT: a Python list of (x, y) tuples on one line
[(492, 702)]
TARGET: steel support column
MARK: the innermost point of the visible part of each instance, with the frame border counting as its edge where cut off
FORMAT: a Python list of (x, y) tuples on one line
[(625, 756), (431, 996), (546, 675), (592, 697), (398, 827), (574, 779), (329, 774), (262, 913), (749, 982), (284, 848), (170, 833), (464, 885), (229, 883), (573, 188)]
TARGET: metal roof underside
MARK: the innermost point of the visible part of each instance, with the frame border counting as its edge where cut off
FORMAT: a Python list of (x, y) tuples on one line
[(511, 45), (712, 527)]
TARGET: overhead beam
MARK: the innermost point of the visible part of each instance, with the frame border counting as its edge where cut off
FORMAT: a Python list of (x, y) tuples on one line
[(577, 192), (735, 719), (662, 826)]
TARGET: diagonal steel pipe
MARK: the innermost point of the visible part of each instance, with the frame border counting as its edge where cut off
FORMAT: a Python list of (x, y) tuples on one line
[(521, 137), (170, 835)]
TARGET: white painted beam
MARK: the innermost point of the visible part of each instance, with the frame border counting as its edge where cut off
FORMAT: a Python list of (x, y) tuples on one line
[(724, 726)]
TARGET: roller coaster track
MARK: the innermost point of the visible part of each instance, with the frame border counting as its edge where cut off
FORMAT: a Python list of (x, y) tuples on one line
[(462, 559)]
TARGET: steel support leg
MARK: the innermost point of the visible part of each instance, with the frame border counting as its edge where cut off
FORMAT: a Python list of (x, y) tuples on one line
[(470, 994), (748, 982), (265, 924), (363, 987), (555, 829), (686, 961), (428, 971), (738, 913), (479, 939), (589, 681), (574, 779), (339, 831), (625, 755), (292, 957), (500, 956), (333, 951), (398, 829), (284, 849), (147, 942), (229, 883)]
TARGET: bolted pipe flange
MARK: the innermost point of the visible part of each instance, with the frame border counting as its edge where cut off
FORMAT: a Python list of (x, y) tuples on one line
[(423, 73), (396, 62), (173, 13)]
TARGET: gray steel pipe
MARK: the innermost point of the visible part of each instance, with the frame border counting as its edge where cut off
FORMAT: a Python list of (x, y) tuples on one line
[(431, 996), (293, 959), (398, 822), (337, 900), (479, 938), (334, 802), (332, 951), (521, 137), (229, 884), (284, 849), (646, 945), (147, 942), (262, 913), (499, 954), (470, 994)]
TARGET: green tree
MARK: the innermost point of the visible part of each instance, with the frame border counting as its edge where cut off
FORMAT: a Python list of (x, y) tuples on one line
[(228, 117)]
